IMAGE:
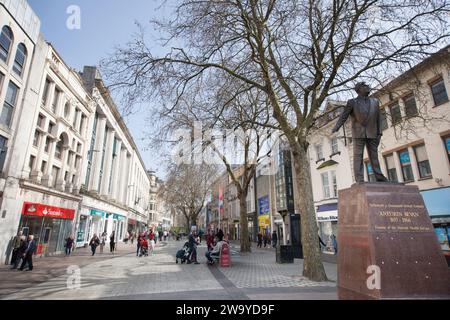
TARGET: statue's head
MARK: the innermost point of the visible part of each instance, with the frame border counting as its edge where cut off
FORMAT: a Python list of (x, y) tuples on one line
[(362, 89)]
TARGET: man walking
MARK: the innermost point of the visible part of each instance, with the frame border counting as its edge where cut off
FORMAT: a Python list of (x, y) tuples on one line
[(20, 252), (15, 245), (112, 242), (28, 255), (274, 238)]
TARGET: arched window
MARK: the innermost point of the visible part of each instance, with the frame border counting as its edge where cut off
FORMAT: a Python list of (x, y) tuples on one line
[(6, 39), (19, 60)]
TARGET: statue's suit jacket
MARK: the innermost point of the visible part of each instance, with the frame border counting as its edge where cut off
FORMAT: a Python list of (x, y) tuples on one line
[(366, 118)]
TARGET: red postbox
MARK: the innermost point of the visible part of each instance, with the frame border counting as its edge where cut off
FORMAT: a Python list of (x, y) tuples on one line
[(225, 258)]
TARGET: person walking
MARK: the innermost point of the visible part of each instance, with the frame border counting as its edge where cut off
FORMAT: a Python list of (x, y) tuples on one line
[(28, 255), (152, 238), (274, 238), (104, 236), (138, 244), (94, 243), (193, 246), (20, 252), (112, 242), (69, 245), (334, 242), (16, 242), (321, 243), (260, 238), (265, 238)]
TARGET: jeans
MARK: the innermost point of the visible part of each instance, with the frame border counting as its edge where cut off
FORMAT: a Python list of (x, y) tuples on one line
[(138, 249), (112, 246), (93, 248), (68, 251), (17, 260), (210, 256)]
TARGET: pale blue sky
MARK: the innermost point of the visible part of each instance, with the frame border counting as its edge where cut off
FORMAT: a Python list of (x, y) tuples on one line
[(104, 24)]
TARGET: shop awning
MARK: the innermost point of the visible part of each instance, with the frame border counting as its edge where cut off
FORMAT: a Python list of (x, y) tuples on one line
[(437, 201), (327, 207), (327, 212), (118, 217)]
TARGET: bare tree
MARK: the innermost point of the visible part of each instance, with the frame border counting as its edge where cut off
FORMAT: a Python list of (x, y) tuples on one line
[(298, 53), (187, 188)]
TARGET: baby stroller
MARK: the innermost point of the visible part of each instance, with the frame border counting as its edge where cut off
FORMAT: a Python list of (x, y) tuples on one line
[(184, 253), (144, 247)]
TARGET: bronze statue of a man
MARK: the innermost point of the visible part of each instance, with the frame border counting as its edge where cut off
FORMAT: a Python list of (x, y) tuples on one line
[(366, 130)]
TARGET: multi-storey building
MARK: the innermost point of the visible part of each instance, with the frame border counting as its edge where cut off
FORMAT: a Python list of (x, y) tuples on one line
[(116, 185), (414, 148), (69, 165)]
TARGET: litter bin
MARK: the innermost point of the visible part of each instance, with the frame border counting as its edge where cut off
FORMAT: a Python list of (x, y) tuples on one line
[(284, 254)]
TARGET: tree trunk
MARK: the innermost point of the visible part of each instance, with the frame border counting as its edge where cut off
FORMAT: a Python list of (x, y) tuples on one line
[(244, 239), (312, 265)]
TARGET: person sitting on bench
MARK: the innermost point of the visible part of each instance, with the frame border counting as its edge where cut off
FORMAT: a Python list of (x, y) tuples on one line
[(215, 252)]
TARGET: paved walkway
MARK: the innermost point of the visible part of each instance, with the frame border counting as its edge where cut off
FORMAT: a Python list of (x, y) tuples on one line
[(125, 276)]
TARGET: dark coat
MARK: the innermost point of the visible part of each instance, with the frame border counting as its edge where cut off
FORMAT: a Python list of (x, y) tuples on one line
[(30, 247), (366, 118)]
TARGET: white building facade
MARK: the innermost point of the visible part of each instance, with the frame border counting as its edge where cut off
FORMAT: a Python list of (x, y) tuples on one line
[(414, 149), (69, 165)]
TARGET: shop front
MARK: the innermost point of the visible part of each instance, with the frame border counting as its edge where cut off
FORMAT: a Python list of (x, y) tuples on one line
[(264, 224), (96, 225), (50, 226), (327, 218), (437, 202)]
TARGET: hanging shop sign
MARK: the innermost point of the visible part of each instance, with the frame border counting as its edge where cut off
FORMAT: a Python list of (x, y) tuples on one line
[(264, 205), (42, 210), (264, 221)]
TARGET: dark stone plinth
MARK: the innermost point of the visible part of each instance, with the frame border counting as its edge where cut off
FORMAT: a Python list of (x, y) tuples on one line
[(387, 226)]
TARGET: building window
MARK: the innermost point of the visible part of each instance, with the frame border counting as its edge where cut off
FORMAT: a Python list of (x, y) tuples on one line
[(3, 150), (2, 76), (40, 121), (19, 60), (58, 149), (334, 146), (67, 110), (82, 122), (36, 138), (422, 161), (91, 151), (75, 117), (334, 181), (405, 163), (370, 173), (46, 91), (51, 127), (103, 159), (439, 92), (55, 174), (6, 39), (78, 147), (391, 170), (447, 146), (47, 144), (384, 124), (56, 96), (8, 106), (44, 166), (325, 185), (32, 162), (396, 115), (319, 152), (410, 106)]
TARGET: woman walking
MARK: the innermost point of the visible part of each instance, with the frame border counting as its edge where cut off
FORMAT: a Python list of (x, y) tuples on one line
[(103, 241), (151, 237), (112, 242), (69, 245), (94, 243)]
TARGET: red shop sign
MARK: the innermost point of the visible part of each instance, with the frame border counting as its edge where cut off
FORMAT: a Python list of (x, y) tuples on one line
[(42, 210)]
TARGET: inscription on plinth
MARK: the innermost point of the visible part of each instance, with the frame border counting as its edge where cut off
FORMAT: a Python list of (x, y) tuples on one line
[(387, 245)]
